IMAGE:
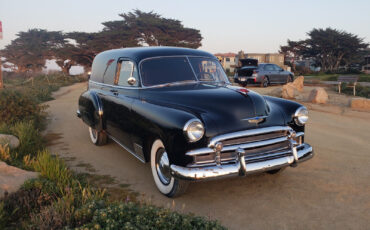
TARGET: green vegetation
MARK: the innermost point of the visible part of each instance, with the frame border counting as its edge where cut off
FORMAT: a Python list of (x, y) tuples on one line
[(361, 91), (328, 48), (60, 198)]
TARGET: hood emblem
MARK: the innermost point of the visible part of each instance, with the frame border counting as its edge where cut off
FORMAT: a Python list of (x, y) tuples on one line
[(255, 120)]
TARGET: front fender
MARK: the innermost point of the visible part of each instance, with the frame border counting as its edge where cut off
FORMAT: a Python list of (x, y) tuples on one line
[(91, 110), (159, 121), (287, 108)]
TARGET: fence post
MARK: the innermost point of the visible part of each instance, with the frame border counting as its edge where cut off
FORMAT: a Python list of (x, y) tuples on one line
[(354, 89), (339, 86)]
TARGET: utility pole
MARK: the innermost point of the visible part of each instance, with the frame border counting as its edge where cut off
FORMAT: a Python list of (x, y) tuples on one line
[(1, 71)]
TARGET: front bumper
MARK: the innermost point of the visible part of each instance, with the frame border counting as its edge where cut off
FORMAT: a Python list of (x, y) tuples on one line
[(240, 168)]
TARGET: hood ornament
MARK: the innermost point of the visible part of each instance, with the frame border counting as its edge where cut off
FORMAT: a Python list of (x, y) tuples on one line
[(255, 120)]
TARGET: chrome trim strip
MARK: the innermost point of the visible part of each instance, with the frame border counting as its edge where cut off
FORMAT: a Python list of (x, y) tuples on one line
[(126, 148), (235, 169), (299, 134), (114, 86), (202, 151), (250, 132)]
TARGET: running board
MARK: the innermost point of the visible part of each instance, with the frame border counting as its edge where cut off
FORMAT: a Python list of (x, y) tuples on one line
[(140, 158)]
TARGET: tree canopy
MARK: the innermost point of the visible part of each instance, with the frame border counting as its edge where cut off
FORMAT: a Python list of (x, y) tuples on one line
[(30, 50), (329, 48)]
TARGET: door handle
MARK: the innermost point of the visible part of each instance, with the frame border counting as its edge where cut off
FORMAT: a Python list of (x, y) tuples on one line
[(114, 91)]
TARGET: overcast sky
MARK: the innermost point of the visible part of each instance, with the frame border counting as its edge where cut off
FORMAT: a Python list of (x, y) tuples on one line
[(227, 25)]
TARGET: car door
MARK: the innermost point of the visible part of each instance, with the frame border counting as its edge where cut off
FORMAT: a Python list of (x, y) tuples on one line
[(271, 73), (124, 93), (280, 75)]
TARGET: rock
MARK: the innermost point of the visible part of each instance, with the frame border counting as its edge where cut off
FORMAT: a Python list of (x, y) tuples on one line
[(318, 96), (277, 92), (360, 104), (11, 140), (298, 83), (288, 91), (11, 178)]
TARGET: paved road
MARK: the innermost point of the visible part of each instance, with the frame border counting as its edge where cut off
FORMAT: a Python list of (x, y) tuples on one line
[(331, 191)]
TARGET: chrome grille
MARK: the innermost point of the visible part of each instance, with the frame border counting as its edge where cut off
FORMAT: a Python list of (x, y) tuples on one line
[(259, 145)]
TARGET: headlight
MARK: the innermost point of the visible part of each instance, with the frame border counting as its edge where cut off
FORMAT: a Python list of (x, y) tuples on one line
[(301, 116), (194, 130)]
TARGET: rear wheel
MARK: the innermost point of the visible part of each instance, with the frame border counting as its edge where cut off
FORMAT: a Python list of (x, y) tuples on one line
[(98, 137), (165, 182), (265, 82)]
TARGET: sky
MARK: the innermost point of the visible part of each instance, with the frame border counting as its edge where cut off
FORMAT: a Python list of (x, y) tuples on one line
[(226, 26)]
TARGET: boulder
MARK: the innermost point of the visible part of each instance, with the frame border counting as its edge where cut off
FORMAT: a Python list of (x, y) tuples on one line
[(318, 96), (289, 91), (298, 83), (11, 178), (362, 104), (11, 140), (277, 92)]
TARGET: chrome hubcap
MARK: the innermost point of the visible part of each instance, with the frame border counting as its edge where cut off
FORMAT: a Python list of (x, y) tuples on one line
[(163, 166)]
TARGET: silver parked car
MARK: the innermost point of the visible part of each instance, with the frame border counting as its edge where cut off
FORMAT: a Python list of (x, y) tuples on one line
[(263, 74)]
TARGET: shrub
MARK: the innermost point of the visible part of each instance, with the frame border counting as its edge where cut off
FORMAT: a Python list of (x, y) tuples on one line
[(5, 153), (16, 106), (29, 138), (135, 216), (18, 206), (53, 168)]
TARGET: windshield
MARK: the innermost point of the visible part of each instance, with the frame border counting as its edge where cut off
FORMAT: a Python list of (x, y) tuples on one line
[(168, 70)]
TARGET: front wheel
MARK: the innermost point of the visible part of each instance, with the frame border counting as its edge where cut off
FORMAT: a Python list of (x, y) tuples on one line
[(98, 137), (165, 182)]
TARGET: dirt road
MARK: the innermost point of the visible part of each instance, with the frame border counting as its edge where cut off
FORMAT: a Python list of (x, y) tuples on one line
[(331, 191)]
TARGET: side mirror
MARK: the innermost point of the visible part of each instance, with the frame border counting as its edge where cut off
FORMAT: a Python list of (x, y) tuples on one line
[(131, 81)]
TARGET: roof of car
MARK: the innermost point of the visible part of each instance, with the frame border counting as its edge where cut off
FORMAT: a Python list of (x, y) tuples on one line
[(140, 53)]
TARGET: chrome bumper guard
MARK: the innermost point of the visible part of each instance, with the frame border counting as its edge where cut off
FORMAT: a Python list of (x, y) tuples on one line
[(241, 166)]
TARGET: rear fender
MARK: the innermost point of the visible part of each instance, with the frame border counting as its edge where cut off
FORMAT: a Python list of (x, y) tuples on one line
[(91, 110)]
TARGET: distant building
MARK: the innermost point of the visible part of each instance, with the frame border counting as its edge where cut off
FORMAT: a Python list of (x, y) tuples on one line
[(227, 61), (274, 58), (366, 66)]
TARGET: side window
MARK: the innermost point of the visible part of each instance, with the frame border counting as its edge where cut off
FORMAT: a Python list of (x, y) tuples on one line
[(277, 68), (109, 72), (125, 70), (269, 68)]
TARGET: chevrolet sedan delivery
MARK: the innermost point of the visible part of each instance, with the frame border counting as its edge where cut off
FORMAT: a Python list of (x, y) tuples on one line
[(175, 109)]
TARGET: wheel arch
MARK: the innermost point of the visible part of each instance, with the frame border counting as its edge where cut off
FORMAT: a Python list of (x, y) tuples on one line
[(91, 110)]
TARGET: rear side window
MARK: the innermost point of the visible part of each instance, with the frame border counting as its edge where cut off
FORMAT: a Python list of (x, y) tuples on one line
[(126, 69), (109, 72)]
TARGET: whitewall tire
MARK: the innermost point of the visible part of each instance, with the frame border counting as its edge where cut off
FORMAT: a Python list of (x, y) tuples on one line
[(165, 182), (98, 138)]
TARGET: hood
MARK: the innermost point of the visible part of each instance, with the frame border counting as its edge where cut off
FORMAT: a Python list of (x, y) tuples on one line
[(222, 108)]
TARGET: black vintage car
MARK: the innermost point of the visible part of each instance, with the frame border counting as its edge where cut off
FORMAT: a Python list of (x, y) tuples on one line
[(175, 108)]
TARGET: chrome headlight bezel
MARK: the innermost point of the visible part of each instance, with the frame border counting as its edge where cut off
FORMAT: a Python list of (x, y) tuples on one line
[(194, 130), (301, 116)]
